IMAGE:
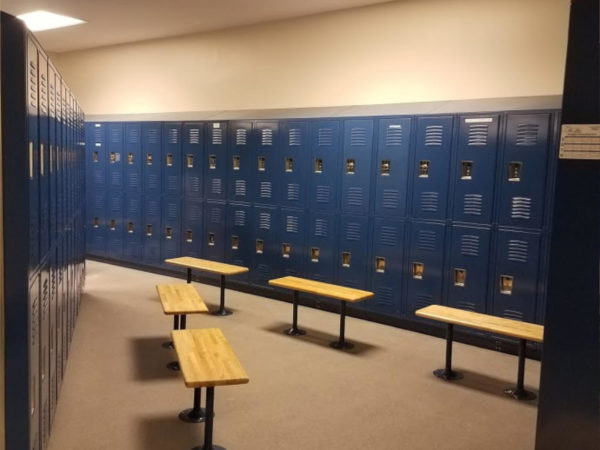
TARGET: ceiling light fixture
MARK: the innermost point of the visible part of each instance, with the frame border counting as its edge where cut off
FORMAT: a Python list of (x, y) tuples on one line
[(44, 20)]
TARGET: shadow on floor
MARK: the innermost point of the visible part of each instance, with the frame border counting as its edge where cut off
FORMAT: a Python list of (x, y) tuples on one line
[(150, 358), (167, 432), (321, 338)]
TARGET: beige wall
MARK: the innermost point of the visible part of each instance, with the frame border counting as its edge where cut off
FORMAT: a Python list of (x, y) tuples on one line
[(406, 51)]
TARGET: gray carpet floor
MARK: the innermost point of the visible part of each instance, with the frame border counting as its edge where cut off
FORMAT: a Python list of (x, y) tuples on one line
[(117, 393)]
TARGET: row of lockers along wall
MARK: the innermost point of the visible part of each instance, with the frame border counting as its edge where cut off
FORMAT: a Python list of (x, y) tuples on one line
[(484, 169)]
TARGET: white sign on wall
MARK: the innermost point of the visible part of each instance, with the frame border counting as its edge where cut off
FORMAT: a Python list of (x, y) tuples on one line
[(580, 141)]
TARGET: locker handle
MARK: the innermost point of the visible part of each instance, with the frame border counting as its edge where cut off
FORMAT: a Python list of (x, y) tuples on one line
[(385, 167), (235, 240), (149, 159), (286, 250), (96, 222), (148, 230), (262, 163), (289, 165), (30, 159), (51, 158), (318, 165), (112, 225), (130, 158), (380, 264), (42, 159), (506, 284), (130, 227), (418, 270), (350, 166), (169, 159), (259, 246), (188, 236), (236, 162), (424, 168), (211, 239), (346, 259), (466, 171), (314, 254), (190, 161), (169, 233), (514, 171), (460, 277), (112, 157), (212, 161)]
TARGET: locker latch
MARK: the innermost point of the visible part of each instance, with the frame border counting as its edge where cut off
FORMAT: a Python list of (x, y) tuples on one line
[(169, 159), (286, 249), (190, 161), (236, 162), (212, 161), (460, 277), (262, 163), (380, 264), (112, 225), (514, 171), (149, 230), (466, 170), (346, 258), (188, 236), (149, 159), (235, 242), (418, 270), (95, 157), (318, 165), (211, 239), (289, 165), (424, 169), (314, 254), (385, 167), (259, 246), (31, 159), (112, 157), (96, 222), (169, 233), (506, 284), (130, 227), (350, 166), (130, 158)]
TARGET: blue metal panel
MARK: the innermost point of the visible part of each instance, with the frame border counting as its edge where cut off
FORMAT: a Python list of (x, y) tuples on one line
[(151, 157), (213, 246), (356, 165), (34, 156), (468, 268), (171, 228), (115, 146), (516, 275), (425, 265), (151, 231), (59, 316), (115, 231), (45, 352), (53, 332), (239, 241), (385, 266), (267, 163), (34, 363), (292, 236), (134, 228), (353, 251), (191, 244), (216, 161), (325, 154), (431, 167), (133, 156), (193, 159), (474, 166), (266, 251), (44, 157), (96, 153), (392, 166), (96, 239), (241, 166), (523, 183), (52, 150), (322, 258), (172, 167), (295, 163)]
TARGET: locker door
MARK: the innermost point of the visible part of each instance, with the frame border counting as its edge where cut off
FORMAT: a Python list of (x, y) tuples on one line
[(392, 166), (114, 168), (356, 166), (52, 150), (53, 333), (87, 150), (295, 164), (96, 223), (214, 231), (215, 161), (45, 353), (325, 153), (239, 242), (133, 156), (292, 248), (34, 364), (241, 168), (265, 255), (44, 157), (267, 164), (133, 225), (151, 157), (151, 231), (193, 158), (65, 306), (524, 162), (425, 265), (322, 247), (114, 229), (96, 156), (172, 168), (171, 228), (59, 318), (431, 166), (34, 157), (468, 268), (474, 166), (516, 275), (385, 265), (191, 244), (353, 251)]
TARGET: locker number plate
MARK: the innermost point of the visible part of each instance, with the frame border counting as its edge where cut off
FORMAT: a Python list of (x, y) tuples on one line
[(580, 141)]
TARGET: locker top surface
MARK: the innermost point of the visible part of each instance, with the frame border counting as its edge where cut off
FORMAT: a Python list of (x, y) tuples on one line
[(324, 289), (206, 265)]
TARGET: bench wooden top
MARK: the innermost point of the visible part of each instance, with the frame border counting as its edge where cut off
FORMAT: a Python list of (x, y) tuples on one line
[(180, 299), (206, 358), (325, 289), (207, 265), (500, 325)]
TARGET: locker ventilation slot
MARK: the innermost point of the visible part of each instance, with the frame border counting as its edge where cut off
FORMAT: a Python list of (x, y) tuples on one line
[(293, 192), (358, 137), (172, 211), (211, 239), (391, 198), (468, 306), (194, 136), (235, 242), (346, 259), (506, 284), (264, 221), (259, 246), (240, 188), (434, 135), (385, 296), (389, 236), (216, 186), (295, 137), (469, 245), (429, 201), (353, 231), (115, 136), (133, 136), (194, 212), (379, 264), (385, 168), (478, 134), (240, 137), (355, 196), (473, 204), (153, 136), (173, 136), (291, 224), (520, 208), (460, 277), (215, 215), (286, 250), (239, 218), (321, 226), (217, 136), (314, 254), (323, 194), (265, 189), (527, 134), (518, 251), (512, 314), (325, 137), (423, 300), (266, 137), (393, 135), (427, 241)]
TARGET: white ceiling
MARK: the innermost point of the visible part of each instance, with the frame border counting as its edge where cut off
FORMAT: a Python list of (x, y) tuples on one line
[(119, 21)]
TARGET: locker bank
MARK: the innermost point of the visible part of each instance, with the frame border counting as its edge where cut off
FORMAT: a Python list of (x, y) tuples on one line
[(381, 158)]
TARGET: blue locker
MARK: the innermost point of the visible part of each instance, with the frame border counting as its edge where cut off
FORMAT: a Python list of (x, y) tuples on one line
[(52, 150), (151, 230), (266, 163), (193, 159), (213, 246), (191, 243), (239, 242), (172, 167), (425, 269), (393, 148), (59, 317), (134, 228), (65, 304), (151, 158), (45, 352), (524, 161), (516, 275), (96, 239), (322, 246), (34, 363), (431, 167), (58, 164), (96, 153), (171, 228), (294, 164), (356, 165), (34, 156), (325, 154), (386, 264), (215, 161), (241, 167), (474, 166), (353, 251), (114, 168), (44, 157), (53, 332), (133, 156), (265, 254), (292, 249), (114, 227), (468, 268)]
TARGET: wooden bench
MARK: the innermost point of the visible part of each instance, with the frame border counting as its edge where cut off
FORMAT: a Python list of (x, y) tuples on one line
[(521, 330), (179, 300), (207, 360), (342, 293), (211, 267)]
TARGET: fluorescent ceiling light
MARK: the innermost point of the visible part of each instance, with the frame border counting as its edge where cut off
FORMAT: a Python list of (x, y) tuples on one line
[(44, 20)]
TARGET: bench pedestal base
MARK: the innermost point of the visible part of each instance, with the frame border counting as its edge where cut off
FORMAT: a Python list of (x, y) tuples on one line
[(341, 345), (222, 311), (520, 394), (448, 375), (213, 447), (168, 345), (192, 416), (174, 365), (294, 332)]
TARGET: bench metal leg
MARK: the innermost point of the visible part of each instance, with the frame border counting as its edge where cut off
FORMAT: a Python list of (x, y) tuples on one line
[(208, 427), (295, 331), (169, 344), (519, 391), (174, 365), (341, 342), (189, 275), (447, 373), (195, 414), (222, 311)]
